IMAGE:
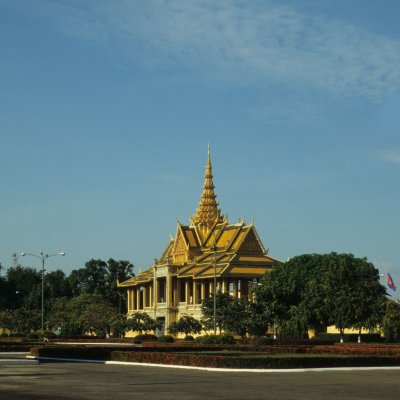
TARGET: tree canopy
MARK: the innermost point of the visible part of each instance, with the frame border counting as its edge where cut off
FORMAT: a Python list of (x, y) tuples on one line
[(308, 291), (187, 325), (21, 292), (328, 289), (100, 277)]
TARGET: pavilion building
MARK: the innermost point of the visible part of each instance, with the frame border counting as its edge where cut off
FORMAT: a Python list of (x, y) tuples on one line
[(208, 250)]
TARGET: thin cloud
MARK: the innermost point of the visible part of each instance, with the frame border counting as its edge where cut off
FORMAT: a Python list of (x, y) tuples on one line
[(391, 156), (245, 43)]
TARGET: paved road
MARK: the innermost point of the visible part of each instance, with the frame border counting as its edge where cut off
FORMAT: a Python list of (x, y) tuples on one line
[(62, 381)]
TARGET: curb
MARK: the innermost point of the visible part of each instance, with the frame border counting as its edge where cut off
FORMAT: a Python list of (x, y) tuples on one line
[(293, 370)]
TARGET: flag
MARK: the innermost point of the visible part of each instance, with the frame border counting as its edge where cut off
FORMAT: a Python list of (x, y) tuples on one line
[(390, 282)]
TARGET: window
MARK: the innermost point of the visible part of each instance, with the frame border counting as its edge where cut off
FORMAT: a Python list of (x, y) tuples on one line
[(182, 290), (190, 292), (162, 290), (230, 288)]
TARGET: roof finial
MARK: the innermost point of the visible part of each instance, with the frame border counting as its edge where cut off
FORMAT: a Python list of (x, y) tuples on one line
[(208, 212)]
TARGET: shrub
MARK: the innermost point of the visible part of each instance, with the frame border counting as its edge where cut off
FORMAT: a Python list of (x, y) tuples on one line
[(32, 336), (4, 334), (189, 338), (186, 324), (226, 339), (208, 339), (147, 337), (17, 335), (216, 339), (263, 341), (166, 339)]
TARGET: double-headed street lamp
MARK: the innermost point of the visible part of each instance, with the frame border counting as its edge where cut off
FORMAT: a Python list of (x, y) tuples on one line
[(43, 258)]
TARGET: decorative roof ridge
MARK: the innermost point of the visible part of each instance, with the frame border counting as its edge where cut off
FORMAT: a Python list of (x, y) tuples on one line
[(214, 232)]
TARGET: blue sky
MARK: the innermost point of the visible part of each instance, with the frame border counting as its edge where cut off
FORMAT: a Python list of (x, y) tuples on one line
[(107, 107)]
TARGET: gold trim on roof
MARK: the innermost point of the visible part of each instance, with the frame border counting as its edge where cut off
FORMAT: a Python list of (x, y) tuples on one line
[(207, 213), (190, 254)]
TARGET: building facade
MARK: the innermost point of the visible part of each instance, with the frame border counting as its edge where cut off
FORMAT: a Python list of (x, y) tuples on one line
[(208, 250)]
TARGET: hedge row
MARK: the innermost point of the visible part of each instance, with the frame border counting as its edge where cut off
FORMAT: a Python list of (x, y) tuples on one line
[(363, 349), (350, 337), (248, 361), (104, 352), (75, 352), (99, 352), (217, 356), (367, 350), (270, 349), (15, 348)]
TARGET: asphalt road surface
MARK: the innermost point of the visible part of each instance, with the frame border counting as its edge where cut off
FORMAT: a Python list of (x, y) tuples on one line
[(61, 381)]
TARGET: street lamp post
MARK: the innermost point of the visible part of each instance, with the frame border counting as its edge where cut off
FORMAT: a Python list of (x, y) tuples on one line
[(214, 249), (43, 258)]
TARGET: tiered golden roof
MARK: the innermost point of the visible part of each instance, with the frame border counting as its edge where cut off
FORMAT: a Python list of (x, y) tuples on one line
[(210, 244), (208, 214)]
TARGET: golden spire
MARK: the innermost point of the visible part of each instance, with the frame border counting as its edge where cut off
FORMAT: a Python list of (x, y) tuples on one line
[(208, 213)]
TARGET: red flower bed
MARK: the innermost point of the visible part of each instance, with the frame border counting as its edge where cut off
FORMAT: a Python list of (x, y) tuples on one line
[(360, 349), (251, 361), (217, 356)]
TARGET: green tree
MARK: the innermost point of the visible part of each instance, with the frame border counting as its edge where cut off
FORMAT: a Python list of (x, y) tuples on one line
[(391, 320), (56, 285), (24, 320), (224, 303), (142, 322), (6, 319), (5, 293), (21, 289), (63, 315), (186, 324), (91, 279), (118, 325), (277, 295), (330, 289), (238, 318), (24, 285), (120, 270), (97, 318), (354, 297), (259, 320), (100, 277), (86, 313)]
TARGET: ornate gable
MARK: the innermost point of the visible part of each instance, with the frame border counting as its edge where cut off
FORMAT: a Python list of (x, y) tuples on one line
[(180, 251), (251, 244), (180, 245)]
